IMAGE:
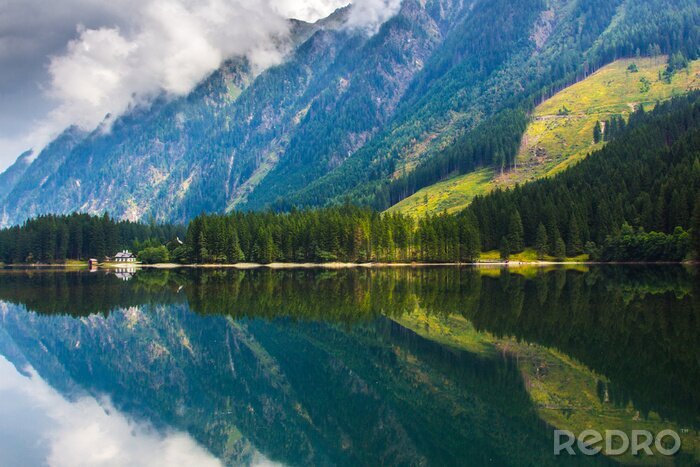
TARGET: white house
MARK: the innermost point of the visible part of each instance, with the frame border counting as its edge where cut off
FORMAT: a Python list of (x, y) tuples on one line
[(125, 257)]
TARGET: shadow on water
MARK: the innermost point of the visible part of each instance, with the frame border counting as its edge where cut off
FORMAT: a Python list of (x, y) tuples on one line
[(316, 367)]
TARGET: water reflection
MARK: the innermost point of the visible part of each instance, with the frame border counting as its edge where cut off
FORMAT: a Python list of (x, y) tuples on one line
[(419, 367), (41, 426)]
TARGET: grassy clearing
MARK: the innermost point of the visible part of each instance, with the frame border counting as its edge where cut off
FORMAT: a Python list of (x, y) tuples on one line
[(561, 131), (451, 195)]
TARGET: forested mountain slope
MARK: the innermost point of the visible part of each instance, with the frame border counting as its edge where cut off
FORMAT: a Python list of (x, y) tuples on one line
[(562, 130), (617, 203), (349, 114)]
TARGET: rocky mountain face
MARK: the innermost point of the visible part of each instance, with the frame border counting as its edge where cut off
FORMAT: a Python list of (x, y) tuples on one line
[(346, 111), (10, 177)]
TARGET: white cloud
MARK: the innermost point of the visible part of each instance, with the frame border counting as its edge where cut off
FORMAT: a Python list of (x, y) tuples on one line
[(308, 10), (371, 14), (141, 48)]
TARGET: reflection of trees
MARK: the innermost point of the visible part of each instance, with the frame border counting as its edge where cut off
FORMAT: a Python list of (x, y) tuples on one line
[(81, 293), (635, 325), (307, 393)]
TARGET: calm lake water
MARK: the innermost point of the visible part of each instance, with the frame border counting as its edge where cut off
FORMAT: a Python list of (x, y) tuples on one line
[(441, 366)]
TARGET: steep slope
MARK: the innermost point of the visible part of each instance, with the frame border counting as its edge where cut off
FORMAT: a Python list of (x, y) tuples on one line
[(10, 177), (647, 177), (562, 55), (209, 151), (21, 197), (560, 132), (371, 84)]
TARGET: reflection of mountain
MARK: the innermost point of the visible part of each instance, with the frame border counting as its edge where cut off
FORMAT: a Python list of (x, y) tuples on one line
[(326, 379), (303, 394)]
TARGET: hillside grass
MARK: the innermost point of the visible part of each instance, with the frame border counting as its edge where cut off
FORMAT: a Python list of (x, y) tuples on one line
[(560, 132), (451, 195)]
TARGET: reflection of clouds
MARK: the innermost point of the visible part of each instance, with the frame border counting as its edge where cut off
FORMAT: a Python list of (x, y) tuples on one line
[(260, 460), (91, 432)]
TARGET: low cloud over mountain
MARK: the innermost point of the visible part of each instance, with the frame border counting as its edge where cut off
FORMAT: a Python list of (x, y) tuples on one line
[(80, 60)]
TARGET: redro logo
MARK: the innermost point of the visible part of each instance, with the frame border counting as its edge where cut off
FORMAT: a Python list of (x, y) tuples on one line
[(590, 443)]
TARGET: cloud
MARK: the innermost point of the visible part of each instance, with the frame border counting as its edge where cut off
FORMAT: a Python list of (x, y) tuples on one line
[(97, 58), (308, 10), (371, 14)]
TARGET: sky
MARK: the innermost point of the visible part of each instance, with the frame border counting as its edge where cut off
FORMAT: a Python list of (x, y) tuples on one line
[(72, 62)]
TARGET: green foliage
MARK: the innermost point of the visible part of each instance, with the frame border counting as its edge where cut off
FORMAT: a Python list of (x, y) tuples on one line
[(616, 125), (515, 233), (643, 246), (676, 62), (559, 251), (644, 85), (79, 237), (505, 249), (597, 133), (495, 142), (345, 233), (541, 242), (696, 227), (154, 255)]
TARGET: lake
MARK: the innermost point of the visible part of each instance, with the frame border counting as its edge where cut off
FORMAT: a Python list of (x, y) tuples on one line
[(407, 366)]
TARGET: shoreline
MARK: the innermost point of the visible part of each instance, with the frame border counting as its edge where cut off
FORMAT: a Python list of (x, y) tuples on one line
[(339, 265)]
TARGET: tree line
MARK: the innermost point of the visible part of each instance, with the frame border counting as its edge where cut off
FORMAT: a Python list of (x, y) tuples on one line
[(345, 233), (54, 238)]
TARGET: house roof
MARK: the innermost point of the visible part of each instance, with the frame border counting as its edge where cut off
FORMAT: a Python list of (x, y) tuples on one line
[(124, 254)]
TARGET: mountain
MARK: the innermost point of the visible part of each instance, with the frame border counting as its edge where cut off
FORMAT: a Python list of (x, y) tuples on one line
[(32, 183), (10, 177), (349, 114)]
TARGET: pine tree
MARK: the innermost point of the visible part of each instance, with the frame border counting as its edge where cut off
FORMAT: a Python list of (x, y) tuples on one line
[(559, 249), (597, 133), (696, 227), (236, 253), (505, 249), (203, 251), (541, 242), (575, 245), (515, 232)]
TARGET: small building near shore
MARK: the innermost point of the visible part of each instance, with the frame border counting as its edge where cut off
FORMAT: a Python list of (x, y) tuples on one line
[(93, 263), (124, 257)]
